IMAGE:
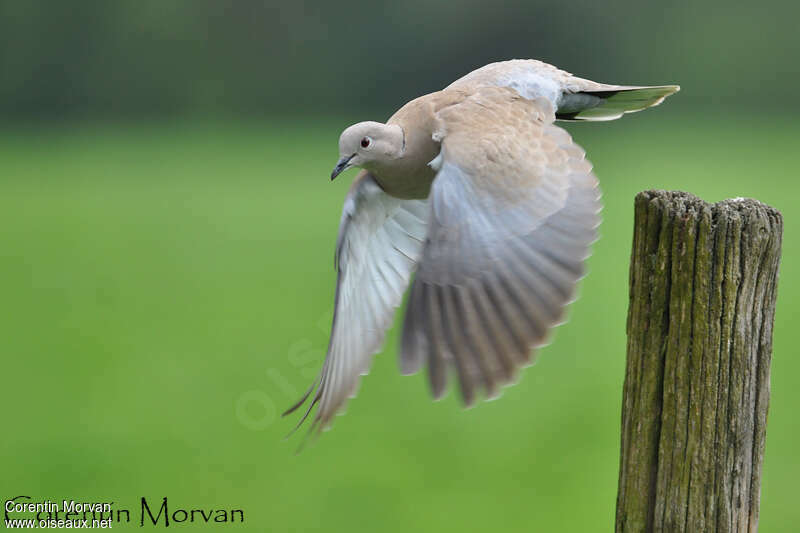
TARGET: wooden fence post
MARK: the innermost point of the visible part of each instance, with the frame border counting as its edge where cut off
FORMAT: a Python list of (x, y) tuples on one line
[(703, 283)]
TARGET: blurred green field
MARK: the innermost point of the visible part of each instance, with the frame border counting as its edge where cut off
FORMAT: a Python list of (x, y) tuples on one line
[(166, 291)]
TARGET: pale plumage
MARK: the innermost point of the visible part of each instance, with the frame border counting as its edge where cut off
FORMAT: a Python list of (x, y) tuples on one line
[(494, 206)]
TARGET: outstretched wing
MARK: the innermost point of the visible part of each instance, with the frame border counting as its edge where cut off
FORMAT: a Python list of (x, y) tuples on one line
[(572, 98), (379, 243), (514, 209)]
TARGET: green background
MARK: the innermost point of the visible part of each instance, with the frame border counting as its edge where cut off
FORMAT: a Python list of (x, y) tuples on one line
[(166, 239)]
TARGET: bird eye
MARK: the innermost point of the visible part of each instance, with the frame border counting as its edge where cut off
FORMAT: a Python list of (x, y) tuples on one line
[(365, 142)]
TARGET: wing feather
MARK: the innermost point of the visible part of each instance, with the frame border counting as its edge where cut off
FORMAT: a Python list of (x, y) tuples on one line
[(514, 210), (380, 241)]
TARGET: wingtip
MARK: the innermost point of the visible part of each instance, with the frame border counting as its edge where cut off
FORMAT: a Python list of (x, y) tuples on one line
[(299, 402)]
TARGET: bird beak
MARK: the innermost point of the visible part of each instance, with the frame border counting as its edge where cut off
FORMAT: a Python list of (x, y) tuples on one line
[(341, 166)]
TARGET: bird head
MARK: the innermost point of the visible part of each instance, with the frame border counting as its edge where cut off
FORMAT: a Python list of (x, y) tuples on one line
[(367, 145)]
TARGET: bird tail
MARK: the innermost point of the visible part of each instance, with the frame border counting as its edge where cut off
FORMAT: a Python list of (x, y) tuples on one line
[(611, 102)]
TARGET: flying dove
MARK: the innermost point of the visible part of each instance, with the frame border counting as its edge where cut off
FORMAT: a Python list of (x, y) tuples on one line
[(493, 206)]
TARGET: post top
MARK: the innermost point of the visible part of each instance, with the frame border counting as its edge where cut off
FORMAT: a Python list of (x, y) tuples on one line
[(684, 203)]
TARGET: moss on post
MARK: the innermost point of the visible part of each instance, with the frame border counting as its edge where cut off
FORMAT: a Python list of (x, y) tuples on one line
[(703, 283)]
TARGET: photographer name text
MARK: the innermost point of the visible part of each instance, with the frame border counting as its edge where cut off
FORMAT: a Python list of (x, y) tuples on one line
[(24, 512)]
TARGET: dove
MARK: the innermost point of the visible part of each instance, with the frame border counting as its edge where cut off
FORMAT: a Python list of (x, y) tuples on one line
[(491, 207)]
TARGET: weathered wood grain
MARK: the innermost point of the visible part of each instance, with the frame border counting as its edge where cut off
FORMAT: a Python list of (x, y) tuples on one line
[(703, 282)]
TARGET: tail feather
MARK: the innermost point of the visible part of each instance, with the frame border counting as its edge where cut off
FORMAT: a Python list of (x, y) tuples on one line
[(611, 102)]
